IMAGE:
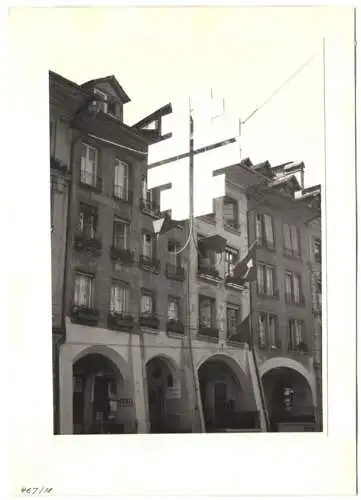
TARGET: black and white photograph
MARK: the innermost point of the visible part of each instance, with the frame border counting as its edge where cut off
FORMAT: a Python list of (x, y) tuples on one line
[(184, 175)]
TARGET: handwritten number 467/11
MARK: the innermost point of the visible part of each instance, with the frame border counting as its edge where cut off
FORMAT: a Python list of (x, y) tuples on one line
[(36, 491)]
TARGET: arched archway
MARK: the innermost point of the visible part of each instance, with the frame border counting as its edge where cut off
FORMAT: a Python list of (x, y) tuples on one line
[(102, 401), (289, 399), (227, 396), (163, 384)]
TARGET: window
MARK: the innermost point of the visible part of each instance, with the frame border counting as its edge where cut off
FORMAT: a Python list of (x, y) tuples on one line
[(114, 108), (147, 194), (119, 299), (148, 245), (206, 256), (102, 104), (173, 309), (230, 212), (87, 221), (262, 329), (293, 288), (296, 332), (147, 303), (264, 230), (173, 257), (121, 234), (317, 250), (206, 306), (89, 165), (230, 259), (121, 180), (267, 330), (291, 240), (266, 280), (84, 291), (232, 320)]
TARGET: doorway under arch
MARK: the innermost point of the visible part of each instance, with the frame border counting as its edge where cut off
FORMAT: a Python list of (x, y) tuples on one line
[(163, 395), (227, 397), (289, 400), (97, 385)]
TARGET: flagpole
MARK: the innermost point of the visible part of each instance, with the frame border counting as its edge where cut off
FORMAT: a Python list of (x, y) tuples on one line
[(198, 401)]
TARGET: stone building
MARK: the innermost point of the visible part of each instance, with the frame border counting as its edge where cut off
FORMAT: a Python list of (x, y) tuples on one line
[(151, 334)]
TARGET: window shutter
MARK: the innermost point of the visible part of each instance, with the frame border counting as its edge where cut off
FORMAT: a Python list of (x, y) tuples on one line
[(296, 288), (288, 283), (286, 237), (260, 278), (295, 239), (271, 330), (259, 227), (269, 280), (268, 229), (262, 329)]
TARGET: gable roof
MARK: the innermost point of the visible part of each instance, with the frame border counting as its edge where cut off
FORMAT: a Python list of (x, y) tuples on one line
[(113, 82), (286, 179)]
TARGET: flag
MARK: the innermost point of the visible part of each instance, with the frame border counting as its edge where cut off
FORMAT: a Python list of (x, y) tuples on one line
[(245, 269), (243, 333)]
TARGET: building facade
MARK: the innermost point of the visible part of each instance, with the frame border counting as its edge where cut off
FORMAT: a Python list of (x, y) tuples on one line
[(154, 331), (282, 297)]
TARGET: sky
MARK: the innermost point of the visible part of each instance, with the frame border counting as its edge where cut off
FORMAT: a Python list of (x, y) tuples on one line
[(243, 53)]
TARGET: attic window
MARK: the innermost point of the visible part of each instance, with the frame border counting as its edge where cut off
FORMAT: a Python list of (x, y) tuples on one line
[(101, 105)]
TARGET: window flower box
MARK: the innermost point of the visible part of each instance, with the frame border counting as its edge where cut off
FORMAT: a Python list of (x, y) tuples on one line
[(300, 348), (208, 271), (120, 321), (174, 325), (93, 245), (122, 255), (208, 331), (175, 272), (58, 165), (149, 321), (149, 263), (84, 315)]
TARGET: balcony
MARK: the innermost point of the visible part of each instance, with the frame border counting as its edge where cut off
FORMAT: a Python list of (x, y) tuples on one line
[(208, 272), (150, 207), (175, 326), (90, 181), (123, 194), (300, 348), (120, 321), (149, 264), (84, 243), (122, 255), (295, 301), (149, 321), (174, 272), (84, 315), (208, 331)]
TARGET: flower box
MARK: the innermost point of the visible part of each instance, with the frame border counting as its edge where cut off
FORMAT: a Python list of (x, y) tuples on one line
[(84, 315), (175, 326), (120, 321), (122, 255), (149, 321)]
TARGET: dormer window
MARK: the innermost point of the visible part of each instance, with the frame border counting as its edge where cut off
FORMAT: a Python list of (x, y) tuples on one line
[(101, 105), (107, 104)]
